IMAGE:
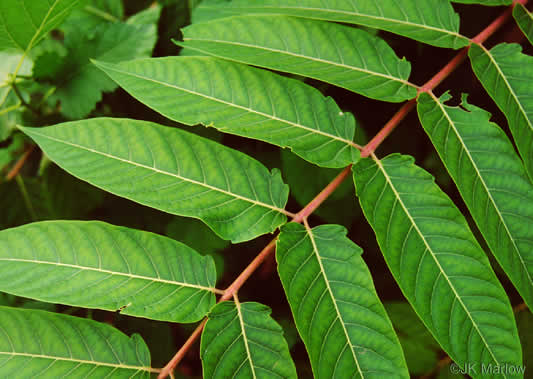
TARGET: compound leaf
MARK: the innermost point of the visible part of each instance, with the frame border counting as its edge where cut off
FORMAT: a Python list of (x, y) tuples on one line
[(97, 265), (242, 100), (40, 344), (336, 309), (507, 74), (336, 54), (491, 179), (435, 23), (170, 170), (241, 340), (524, 19), (437, 262)]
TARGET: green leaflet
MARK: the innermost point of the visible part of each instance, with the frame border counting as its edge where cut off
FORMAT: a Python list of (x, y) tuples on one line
[(419, 347), (170, 170), (336, 309), (242, 341), (524, 19), (507, 75), (79, 85), (242, 100), (437, 262), (97, 265), (491, 179), (337, 54), (23, 23), (39, 344), (435, 23), (485, 2)]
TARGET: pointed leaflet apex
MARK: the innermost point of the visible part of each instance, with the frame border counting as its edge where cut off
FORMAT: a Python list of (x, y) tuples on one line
[(170, 170)]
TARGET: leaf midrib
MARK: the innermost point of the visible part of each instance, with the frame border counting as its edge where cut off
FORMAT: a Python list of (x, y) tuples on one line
[(356, 14), (81, 361), (430, 250), (152, 168), (227, 103), (245, 338), (508, 85), (311, 58), (105, 271), (489, 194), (333, 299)]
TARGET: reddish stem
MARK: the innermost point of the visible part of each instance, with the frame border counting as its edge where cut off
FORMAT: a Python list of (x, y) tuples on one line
[(335, 183), (20, 163)]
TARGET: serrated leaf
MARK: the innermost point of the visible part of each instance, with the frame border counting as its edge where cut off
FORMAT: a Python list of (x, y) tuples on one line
[(170, 170), (435, 23), (337, 54), (491, 180), (243, 341), (524, 19), (336, 309), (79, 84), (92, 264), (23, 23), (242, 100), (147, 16), (437, 262), (41, 344), (485, 2), (507, 74)]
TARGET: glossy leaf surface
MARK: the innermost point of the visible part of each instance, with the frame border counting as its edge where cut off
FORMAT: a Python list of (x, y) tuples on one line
[(491, 179), (39, 344), (242, 100), (336, 309), (437, 262), (170, 170), (435, 23), (336, 54), (507, 74), (243, 341), (97, 265)]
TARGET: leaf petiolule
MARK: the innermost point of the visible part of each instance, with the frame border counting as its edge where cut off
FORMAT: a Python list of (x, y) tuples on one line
[(241, 340), (434, 23), (170, 170), (337, 54), (524, 19), (507, 73), (437, 262), (336, 309), (492, 181), (25, 22), (92, 264), (242, 100), (36, 343)]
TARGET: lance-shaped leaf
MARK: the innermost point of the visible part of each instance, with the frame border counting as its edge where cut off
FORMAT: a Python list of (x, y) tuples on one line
[(438, 264), (491, 179), (524, 19), (241, 340), (242, 100), (338, 314), (96, 265), (507, 75), (170, 170), (337, 54), (435, 23), (40, 344), (23, 23)]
